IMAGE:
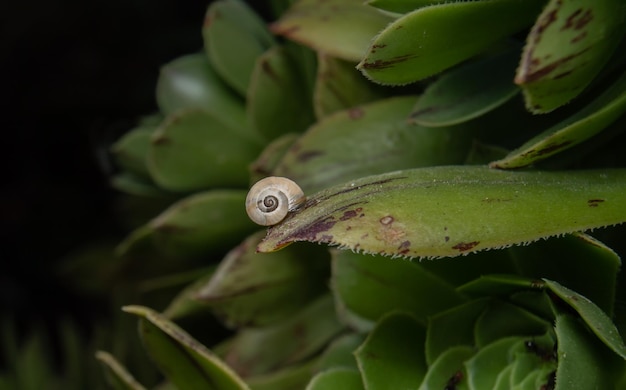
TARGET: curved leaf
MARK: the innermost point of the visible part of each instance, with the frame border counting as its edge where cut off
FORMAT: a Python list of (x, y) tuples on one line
[(596, 319), (336, 379), (450, 211), (431, 39), (468, 91), (341, 28), (194, 150), (402, 6), (586, 123), (447, 370), (185, 362), (566, 48), (119, 377), (370, 139), (392, 356)]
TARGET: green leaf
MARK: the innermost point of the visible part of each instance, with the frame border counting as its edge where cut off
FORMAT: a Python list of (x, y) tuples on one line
[(269, 158), (185, 304), (340, 353), (599, 323), (369, 139), (499, 284), (468, 91), (294, 377), (577, 261), (449, 211), (484, 367), (452, 328), (189, 82), (447, 370), (276, 104), (586, 123), (567, 47), (336, 379), (194, 150), (139, 186), (256, 351), (340, 86), (392, 356), (119, 378), (341, 28), (234, 36), (371, 287), (183, 360), (431, 39), (195, 225), (501, 319), (583, 363), (258, 289), (131, 149), (402, 6)]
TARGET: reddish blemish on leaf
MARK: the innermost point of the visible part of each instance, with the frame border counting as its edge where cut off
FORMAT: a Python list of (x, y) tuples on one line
[(381, 64), (465, 246), (386, 220), (404, 248), (348, 214), (594, 202), (530, 74), (578, 19), (308, 155), (356, 113), (547, 150)]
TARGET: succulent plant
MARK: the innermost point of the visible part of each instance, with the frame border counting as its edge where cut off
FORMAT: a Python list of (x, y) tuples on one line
[(454, 156)]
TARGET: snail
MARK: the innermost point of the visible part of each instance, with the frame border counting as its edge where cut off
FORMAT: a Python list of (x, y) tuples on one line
[(270, 199)]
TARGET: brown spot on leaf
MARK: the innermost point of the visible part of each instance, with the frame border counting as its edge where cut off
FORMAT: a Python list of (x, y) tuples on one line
[(161, 140), (267, 68), (356, 113), (404, 248), (594, 202), (465, 246), (308, 155), (578, 19), (348, 214), (546, 150), (530, 73), (384, 64)]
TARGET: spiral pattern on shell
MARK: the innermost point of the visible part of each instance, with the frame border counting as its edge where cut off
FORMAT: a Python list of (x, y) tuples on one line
[(271, 199)]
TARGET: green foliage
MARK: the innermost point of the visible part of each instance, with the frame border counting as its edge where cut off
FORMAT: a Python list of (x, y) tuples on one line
[(422, 171)]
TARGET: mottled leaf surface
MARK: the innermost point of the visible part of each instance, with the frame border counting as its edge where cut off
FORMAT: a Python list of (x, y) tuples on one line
[(453, 210)]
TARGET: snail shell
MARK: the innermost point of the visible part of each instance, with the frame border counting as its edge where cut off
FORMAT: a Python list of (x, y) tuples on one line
[(270, 199)]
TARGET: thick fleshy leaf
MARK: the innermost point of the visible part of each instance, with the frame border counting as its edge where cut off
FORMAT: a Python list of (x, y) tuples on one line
[(184, 303), (402, 6), (255, 351), (131, 149), (340, 353), (583, 362), (269, 158), (340, 86), (392, 356), (234, 36), (431, 39), (370, 139), (137, 185), (189, 82), (499, 285), (586, 123), (336, 379), (258, 289), (119, 377), (450, 211), (501, 319), (194, 150), (452, 328), (196, 225), (294, 377), (484, 367), (276, 104), (447, 371), (596, 319), (183, 360), (468, 91), (371, 287), (567, 47), (562, 259), (341, 28)]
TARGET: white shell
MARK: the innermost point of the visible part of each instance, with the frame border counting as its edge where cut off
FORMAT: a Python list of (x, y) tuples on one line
[(270, 199)]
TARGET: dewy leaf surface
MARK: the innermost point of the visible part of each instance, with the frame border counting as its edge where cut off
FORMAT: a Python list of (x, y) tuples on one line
[(566, 48), (453, 210), (431, 39)]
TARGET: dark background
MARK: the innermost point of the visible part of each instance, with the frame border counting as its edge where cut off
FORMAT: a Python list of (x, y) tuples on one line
[(74, 75)]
